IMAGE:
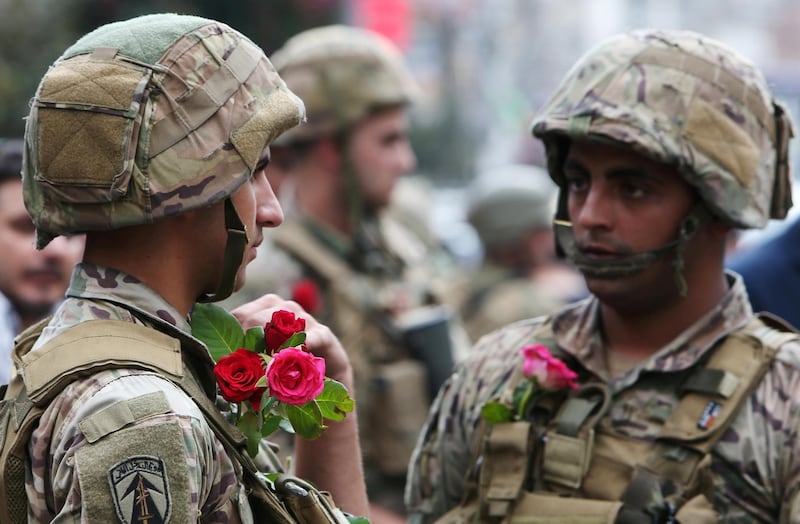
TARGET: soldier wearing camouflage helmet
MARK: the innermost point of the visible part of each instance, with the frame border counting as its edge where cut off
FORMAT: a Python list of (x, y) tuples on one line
[(661, 397), (511, 207), (151, 136), (342, 166)]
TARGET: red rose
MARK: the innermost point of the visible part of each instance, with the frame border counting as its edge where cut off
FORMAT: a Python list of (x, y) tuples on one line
[(549, 372), (295, 376), (281, 327), (306, 293), (237, 375)]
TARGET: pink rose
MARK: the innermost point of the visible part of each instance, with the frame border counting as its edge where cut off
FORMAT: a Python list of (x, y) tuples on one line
[(281, 327), (549, 372), (295, 376), (237, 375)]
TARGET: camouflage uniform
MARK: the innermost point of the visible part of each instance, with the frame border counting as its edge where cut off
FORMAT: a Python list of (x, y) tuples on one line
[(688, 102), (756, 464), (363, 284), (138, 121), (68, 472)]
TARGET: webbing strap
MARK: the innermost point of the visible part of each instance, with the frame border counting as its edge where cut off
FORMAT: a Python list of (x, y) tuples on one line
[(203, 101), (702, 415), (710, 381), (296, 239), (92, 345)]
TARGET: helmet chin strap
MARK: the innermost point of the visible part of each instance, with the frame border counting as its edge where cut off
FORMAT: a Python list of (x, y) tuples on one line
[(234, 254), (637, 262)]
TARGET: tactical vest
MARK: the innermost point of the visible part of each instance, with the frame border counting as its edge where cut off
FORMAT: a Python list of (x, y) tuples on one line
[(565, 468), (396, 364), (98, 345)]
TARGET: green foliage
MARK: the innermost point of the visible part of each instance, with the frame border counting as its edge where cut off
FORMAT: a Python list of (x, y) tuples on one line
[(218, 329), (334, 401), (495, 413), (306, 419)]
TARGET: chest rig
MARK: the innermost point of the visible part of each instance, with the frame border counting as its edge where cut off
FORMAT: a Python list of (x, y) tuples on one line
[(98, 345), (567, 464), (398, 365)]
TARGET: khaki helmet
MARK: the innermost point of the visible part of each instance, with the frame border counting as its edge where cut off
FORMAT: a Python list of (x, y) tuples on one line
[(505, 202), (686, 100), (342, 74), (148, 118)]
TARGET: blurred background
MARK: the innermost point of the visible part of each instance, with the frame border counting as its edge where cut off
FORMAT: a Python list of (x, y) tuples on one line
[(485, 65)]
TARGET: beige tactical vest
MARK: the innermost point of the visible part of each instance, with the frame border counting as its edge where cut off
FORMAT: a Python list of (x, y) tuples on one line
[(581, 473), (52, 367), (392, 384)]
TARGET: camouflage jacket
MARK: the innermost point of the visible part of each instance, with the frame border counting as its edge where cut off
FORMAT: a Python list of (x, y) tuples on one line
[(755, 465), (73, 478)]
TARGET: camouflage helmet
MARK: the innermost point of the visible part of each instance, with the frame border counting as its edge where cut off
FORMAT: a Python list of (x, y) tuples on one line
[(342, 73), (685, 100), (507, 201), (148, 118)]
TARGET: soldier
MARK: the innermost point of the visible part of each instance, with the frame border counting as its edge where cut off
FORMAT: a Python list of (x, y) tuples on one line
[(661, 397), (151, 135), (344, 164), (32, 282), (511, 207)]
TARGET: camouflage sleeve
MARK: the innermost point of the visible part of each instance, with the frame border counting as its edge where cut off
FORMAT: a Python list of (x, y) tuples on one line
[(756, 464), (128, 446), (442, 461)]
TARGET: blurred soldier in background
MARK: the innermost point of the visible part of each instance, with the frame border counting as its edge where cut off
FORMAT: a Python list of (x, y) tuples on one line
[(660, 398), (32, 281), (512, 209), (151, 135), (363, 278)]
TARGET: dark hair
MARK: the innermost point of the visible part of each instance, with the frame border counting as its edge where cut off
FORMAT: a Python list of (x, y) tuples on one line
[(10, 159)]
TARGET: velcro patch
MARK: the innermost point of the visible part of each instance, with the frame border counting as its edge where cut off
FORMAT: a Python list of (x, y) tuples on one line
[(137, 474), (140, 490)]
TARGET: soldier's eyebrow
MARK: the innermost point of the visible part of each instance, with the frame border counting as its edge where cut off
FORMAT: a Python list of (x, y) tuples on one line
[(642, 173)]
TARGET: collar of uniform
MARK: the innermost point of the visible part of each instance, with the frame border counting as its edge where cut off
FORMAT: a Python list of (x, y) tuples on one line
[(98, 282), (577, 331)]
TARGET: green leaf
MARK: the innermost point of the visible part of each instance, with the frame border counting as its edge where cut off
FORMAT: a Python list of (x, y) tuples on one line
[(294, 341), (254, 340), (495, 412), (306, 420), (271, 423), (352, 519), (334, 401), (217, 329), (249, 424), (286, 426)]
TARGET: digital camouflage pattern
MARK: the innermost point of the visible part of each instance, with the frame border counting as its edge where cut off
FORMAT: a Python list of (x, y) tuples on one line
[(755, 465), (69, 474), (342, 73), (685, 100), (149, 118)]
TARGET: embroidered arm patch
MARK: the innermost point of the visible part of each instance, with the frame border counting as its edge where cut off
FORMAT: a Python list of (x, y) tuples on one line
[(139, 474)]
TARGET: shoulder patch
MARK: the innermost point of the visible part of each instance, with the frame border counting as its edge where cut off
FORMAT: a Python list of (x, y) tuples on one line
[(138, 474), (140, 490)]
